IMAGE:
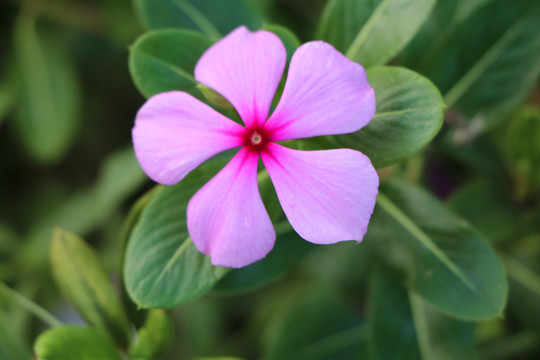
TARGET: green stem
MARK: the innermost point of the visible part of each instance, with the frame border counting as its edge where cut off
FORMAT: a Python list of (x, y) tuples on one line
[(522, 274), (421, 326), (27, 304)]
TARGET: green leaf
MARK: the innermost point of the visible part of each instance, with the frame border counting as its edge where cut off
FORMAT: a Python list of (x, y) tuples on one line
[(441, 337), (522, 149), (27, 305), (487, 208), (13, 343), (372, 32), (487, 65), (446, 17), (219, 358), (74, 343), (409, 114), (440, 256), (314, 326), (120, 175), (403, 326), (165, 60), (8, 96), (213, 18), (392, 331), (83, 279), (288, 38), (154, 339), (160, 251), (524, 293), (47, 115), (135, 214)]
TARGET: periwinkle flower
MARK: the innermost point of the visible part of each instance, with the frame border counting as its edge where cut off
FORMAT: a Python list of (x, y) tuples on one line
[(328, 195)]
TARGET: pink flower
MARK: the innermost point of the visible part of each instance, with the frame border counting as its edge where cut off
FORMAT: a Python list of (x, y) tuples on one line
[(328, 196)]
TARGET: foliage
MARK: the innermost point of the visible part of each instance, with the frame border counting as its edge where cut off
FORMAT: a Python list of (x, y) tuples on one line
[(449, 268)]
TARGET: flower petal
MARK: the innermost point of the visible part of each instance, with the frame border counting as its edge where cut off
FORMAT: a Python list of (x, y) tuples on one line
[(174, 133), (328, 196), (246, 69), (325, 94), (227, 219)]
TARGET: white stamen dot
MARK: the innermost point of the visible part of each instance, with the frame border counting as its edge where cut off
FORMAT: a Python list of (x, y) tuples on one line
[(256, 139)]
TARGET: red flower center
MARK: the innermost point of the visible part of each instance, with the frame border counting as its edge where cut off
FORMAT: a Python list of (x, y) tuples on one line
[(256, 139)]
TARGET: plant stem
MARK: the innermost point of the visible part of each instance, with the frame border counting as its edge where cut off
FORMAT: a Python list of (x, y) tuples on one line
[(27, 304)]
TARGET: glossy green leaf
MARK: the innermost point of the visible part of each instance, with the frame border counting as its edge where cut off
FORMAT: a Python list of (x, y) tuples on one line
[(314, 326), (213, 18), (440, 256), (154, 339), (120, 175), (83, 279), (165, 60), (135, 214), (403, 326), (487, 65), (47, 113), (74, 343), (163, 268), (372, 32), (409, 114)]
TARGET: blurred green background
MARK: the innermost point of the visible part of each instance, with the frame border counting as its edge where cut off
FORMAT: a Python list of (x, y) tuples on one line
[(67, 106)]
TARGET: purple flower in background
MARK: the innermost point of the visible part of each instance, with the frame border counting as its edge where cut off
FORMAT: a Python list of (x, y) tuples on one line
[(328, 196)]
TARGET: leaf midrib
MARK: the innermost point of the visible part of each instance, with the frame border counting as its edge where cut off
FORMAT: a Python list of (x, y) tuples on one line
[(400, 112), (363, 34), (173, 259), (424, 239), (198, 18), (179, 71), (481, 66)]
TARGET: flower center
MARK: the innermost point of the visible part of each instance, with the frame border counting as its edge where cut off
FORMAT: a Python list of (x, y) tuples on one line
[(255, 138)]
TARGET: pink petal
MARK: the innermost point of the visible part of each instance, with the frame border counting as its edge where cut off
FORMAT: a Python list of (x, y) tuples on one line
[(246, 69), (325, 94), (227, 219), (174, 133), (328, 196)]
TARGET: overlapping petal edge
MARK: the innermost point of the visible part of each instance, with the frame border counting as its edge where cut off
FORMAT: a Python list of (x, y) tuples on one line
[(328, 196)]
